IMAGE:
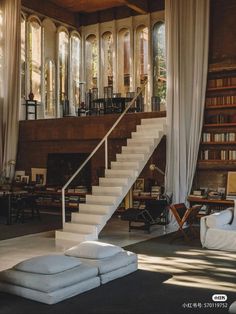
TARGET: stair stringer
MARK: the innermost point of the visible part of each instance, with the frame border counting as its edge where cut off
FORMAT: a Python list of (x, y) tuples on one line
[(87, 223)]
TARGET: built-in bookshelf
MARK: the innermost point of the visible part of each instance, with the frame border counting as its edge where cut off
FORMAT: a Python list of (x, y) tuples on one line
[(218, 142)]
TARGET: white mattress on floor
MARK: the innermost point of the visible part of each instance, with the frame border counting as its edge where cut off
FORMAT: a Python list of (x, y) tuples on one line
[(118, 273), (48, 283), (51, 297)]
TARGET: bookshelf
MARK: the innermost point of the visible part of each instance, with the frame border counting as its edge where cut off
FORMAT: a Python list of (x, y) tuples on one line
[(52, 198), (218, 143)]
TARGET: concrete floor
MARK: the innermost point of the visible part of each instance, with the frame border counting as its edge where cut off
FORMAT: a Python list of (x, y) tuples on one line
[(15, 250)]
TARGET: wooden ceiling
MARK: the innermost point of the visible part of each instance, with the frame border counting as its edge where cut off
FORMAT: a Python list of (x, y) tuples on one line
[(89, 6)]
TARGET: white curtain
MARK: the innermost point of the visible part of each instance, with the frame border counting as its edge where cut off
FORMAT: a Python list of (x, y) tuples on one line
[(187, 32), (9, 83)]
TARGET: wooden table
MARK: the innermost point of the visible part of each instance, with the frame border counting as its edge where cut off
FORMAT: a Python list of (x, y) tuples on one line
[(212, 204), (6, 203)]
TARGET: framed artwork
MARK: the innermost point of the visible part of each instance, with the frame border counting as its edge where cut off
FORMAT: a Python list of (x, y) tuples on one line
[(25, 179), (18, 175), (139, 184), (39, 175), (231, 184)]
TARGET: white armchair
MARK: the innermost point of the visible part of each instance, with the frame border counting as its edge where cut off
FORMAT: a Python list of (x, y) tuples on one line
[(218, 230)]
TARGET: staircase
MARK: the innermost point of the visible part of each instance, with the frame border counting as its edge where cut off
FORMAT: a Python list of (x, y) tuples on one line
[(105, 198)]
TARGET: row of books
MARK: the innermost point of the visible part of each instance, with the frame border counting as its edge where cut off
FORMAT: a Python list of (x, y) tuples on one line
[(77, 189), (218, 154), (218, 137), (221, 100), (221, 118), (221, 82)]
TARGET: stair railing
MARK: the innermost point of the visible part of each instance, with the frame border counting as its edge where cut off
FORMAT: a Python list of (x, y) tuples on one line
[(104, 140)]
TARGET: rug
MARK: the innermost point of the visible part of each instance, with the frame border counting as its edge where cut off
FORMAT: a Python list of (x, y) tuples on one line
[(173, 278), (142, 292)]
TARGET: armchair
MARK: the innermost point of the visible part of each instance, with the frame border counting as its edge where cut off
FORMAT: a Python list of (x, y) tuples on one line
[(218, 230)]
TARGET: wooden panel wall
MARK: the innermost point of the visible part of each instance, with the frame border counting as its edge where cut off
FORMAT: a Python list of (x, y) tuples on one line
[(222, 46), (78, 135), (49, 9)]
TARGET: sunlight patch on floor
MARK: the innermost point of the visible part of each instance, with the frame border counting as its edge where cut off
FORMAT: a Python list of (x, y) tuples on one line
[(202, 273)]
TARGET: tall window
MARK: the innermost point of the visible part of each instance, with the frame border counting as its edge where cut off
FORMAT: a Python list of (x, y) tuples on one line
[(123, 61), (75, 69), (142, 54), (107, 56), (50, 101), (63, 66), (159, 62), (1, 53), (23, 51), (91, 53), (35, 57), (49, 57)]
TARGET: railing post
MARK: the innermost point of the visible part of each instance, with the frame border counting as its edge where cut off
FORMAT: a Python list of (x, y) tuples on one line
[(63, 207), (106, 153)]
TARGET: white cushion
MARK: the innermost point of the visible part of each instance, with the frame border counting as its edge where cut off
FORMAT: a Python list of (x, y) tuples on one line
[(111, 263), (50, 282), (48, 264), (93, 250), (218, 219)]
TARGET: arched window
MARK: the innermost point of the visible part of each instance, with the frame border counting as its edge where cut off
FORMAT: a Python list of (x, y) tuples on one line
[(123, 61), (63, 66), (141, 55), (1, 54), (159, 62), (107, 56), (50, 95), (91, 53), (34, 54), (75, 69), (23, 58), (49, 29)]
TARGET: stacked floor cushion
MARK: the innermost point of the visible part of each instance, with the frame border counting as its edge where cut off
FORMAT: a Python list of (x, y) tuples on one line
[(49, 279), (112, 261)]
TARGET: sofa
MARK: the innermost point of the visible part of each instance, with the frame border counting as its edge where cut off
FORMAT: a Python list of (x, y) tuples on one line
[(218, 230)]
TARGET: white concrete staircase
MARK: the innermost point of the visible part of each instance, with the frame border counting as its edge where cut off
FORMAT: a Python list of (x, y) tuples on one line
[(105, 198)]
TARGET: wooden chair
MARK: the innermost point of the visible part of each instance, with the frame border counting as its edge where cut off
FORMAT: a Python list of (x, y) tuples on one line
[(185, 217)]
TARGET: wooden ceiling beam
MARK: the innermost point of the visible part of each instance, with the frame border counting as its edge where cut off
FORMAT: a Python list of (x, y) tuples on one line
[(138, 6)]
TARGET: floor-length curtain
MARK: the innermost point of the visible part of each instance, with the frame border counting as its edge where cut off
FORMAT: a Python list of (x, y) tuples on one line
[(10, 84), (187, 32)]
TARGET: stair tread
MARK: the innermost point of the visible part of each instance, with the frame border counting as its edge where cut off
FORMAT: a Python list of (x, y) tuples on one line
[(81, 223), (74, 232)]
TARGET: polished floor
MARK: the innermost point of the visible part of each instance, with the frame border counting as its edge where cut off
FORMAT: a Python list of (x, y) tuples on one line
[(115, 232)]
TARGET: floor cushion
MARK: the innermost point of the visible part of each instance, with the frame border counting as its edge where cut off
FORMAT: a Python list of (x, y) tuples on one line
[(112, 262), (49, 287), (93, 249), (47, 264)]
